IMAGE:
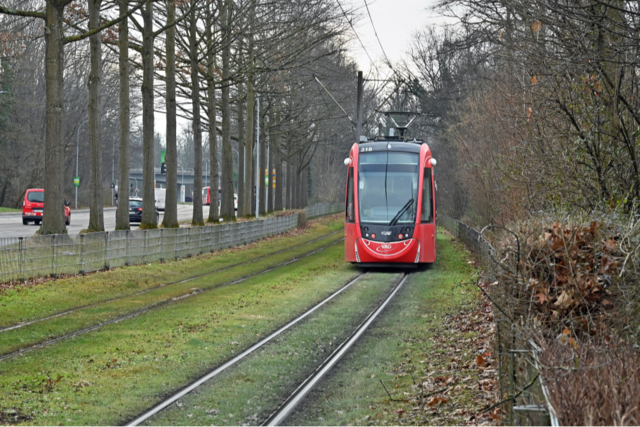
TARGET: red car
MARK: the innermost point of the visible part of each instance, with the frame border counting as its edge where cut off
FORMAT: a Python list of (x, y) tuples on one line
[(33, 207)]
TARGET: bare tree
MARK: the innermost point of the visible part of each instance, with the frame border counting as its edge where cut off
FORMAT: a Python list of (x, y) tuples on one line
[(170, 219), (122, 216), (197, 218), (96, 215), (213, 134)]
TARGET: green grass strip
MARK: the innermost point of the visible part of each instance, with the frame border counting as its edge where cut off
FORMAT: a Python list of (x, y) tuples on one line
[(23, 304), (29, 335), (110, 375)]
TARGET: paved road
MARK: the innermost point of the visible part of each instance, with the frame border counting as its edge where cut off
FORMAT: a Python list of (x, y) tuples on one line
[(11, 223)]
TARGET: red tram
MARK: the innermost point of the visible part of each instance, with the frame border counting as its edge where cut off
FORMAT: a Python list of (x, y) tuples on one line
[(390, 217)]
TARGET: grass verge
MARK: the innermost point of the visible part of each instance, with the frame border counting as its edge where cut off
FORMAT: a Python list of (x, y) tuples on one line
[(37, 299), (110, 375), (3, 209), (28, 335)]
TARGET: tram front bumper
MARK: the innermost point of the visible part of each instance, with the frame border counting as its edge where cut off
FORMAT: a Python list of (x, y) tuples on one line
[(405, 251)]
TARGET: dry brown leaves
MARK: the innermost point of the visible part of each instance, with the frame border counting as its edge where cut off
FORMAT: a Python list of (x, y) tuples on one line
[(569, 272), (458, 376)]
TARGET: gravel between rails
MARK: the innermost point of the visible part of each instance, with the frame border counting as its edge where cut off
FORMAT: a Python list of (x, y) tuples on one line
[(63, 313), (25, 350)]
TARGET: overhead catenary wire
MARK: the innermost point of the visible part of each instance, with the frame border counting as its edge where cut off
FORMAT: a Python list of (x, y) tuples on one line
[(388, 62), (344, 12), (334, 100), (376, 33)]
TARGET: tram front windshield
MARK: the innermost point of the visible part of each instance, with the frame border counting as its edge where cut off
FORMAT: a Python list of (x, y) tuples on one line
[(387, 184)]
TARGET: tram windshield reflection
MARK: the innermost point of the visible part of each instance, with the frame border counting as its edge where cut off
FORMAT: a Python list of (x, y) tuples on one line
[(386, 181)]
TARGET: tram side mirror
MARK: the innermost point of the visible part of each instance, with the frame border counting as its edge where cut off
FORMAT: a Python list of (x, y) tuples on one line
[(347, 161)]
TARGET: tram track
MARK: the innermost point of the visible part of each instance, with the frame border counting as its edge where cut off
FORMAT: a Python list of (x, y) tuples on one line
[(163, 285), (295, 398), (231, 362), (167, 301), (288, 404)]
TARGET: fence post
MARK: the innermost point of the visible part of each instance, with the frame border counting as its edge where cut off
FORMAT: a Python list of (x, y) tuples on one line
[(81, 254), (126, 248), (53, 255), (106, 250), (145, 245), (21, 255)]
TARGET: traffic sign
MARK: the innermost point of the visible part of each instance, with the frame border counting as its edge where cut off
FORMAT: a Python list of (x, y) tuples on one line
[(76, 181)]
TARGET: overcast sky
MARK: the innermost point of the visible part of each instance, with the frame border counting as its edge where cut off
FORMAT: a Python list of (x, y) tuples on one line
[(395, 22)]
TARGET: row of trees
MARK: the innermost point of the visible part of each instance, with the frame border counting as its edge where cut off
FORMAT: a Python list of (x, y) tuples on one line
[(207, 61), (531, 105)]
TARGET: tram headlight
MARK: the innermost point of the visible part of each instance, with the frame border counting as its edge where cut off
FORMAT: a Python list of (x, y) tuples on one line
[(347, 161), (433, 162)]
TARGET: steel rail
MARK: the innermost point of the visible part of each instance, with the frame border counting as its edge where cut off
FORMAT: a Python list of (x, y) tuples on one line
[(83, 331), (164, 285), (159, 407), (285, 409)]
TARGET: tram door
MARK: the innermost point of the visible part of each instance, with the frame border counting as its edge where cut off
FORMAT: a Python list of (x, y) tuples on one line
[(350, 228)]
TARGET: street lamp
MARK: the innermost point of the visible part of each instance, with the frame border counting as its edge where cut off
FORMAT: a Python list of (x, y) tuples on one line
[(77, 152)]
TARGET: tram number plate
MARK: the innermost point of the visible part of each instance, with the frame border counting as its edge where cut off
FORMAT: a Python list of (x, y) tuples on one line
[(364, 149)]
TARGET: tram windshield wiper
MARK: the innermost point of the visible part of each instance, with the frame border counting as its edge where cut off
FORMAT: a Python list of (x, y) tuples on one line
[(401, 211)]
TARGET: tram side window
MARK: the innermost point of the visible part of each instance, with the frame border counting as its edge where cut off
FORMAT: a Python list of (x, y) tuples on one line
[(351, 214), (427, 199)]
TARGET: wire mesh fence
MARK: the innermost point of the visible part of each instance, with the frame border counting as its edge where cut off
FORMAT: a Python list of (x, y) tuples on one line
[(523, 395), (27, 257)]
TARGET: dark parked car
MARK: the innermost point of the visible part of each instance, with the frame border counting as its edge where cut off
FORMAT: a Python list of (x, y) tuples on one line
[(135, 210)]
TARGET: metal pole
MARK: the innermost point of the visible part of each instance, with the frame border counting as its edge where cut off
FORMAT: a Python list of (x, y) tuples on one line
[(360, 94), (182, 183), (77, 152), (258, 159), (113, 165)]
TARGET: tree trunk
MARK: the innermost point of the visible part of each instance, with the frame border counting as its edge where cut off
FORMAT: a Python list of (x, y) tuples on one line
[(148, 173), (289, 181), (250, 125), (296, 183), (242, 179), (278, 160), (213, 133), (96, 214), (252, 211), (263, 165), (170, 219), (197, 218), (53, 217), (270, 188), (227, 211), (305, 188), (122, 216)]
